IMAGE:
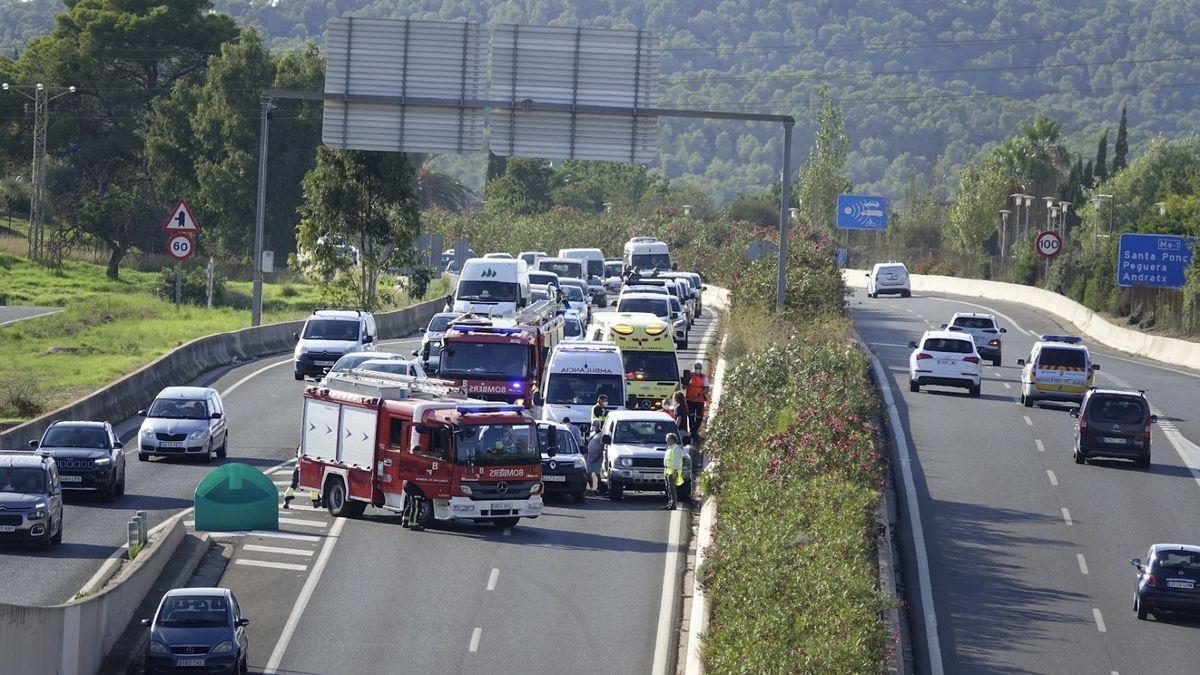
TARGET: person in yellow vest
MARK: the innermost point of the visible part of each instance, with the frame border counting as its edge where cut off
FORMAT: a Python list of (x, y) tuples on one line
[(672, 469)]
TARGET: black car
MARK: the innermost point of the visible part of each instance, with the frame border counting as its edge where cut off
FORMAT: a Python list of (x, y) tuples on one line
[(89, 457), (564, 470), (197, 630), (1113, 423), (1169, 580)]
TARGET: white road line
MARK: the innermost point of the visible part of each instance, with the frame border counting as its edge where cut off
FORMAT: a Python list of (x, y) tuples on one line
[(666, 617), (475, 635), (1052, 477), (1007, 385), (909, 310), (506, 531), (284, 535), (282, 483), (276, 549), (1067, 516), (231, 388), (1040, 446), (1028, 421), (273, 565), (310, 585), (920, 316), (1083, 568), (302, 523), (493, 578), (1099, 620)]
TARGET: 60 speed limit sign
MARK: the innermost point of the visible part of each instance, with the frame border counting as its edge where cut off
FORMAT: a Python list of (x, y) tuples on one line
[(1048, 244), (180, 246)]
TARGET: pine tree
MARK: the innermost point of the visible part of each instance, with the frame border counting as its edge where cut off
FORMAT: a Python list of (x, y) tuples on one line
[(1100, 169), (1089, 176), (1121, 148)]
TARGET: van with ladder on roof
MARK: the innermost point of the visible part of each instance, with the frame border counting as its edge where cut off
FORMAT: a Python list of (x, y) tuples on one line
[(375, 439), (647, 351), (577, 374)]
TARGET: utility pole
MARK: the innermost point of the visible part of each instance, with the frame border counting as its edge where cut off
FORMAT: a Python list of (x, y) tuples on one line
[(785, 179), (1004, 214), (260, 212), (41, 95)]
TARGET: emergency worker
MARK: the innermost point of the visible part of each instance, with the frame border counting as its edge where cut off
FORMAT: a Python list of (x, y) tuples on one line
[(696, 394), (600, 410), (672, 469)]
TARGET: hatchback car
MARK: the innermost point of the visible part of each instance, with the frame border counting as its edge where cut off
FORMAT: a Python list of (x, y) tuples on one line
[(356, 359), (31, 506), (407, 367), (89, 456), (1168, 581), (184, 421), (1113, 423), (944, 358), (887, 278), (197, 630), (983, 329)]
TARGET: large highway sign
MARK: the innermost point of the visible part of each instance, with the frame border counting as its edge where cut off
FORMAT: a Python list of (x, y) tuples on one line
[(1156, 260)]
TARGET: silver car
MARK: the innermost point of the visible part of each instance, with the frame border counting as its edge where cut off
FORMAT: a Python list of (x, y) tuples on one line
[(184, 422), (31, 507)]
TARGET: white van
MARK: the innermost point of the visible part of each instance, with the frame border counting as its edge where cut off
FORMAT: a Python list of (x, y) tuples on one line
[(648, 255), (492, 286), (565, 268), (593, 259), (330, 334), (577, 373)]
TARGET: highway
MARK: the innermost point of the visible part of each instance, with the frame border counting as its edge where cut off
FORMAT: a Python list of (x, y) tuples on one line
[(1028, 552), (14, 313)]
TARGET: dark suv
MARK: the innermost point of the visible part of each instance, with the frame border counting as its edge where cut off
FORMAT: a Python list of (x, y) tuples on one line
[(1113, 423), (89, 457)]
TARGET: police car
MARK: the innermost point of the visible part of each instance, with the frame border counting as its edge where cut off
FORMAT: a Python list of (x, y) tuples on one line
[(1059, 368)]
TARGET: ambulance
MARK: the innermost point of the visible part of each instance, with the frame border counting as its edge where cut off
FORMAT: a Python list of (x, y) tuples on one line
[(578, 372), (1059, 368), (647, 351)]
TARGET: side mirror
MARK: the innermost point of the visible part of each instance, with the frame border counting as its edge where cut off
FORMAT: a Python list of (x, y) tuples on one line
[(1136, 562), (943, 325), (118, 445), (1003, 330), (614, 303), (1154, 419), (1074, 412), (606, 439), (145, 622), (415, 353), (868, 275), (368, 339), (674, 267), (33, 444), (295, 337), (913, 344), (538, 399), (1020, 362), (141, 413), (216, 416), (242, 623)]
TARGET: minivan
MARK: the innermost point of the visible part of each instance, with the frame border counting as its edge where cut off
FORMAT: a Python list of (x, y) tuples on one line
[(328, 335), (492, 286)]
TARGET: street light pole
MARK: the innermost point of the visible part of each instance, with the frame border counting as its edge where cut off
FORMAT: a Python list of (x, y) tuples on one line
[(260, 212), (41, 97), (785, 190), (1004, 213)]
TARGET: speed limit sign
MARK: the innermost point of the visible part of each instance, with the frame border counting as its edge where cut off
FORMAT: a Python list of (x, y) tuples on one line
[(180, 246), (1048, 244)]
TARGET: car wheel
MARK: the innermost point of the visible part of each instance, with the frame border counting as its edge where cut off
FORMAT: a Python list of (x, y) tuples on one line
[(299, 377), (685, 492), (121, 483), (996, 361), (913, 386), (143, 457), (1143, 462), (906, 294), (1027, 401), (505, 523), (109, 493), (1142, 613), (973, 391), (244, 664), (1079, 456), (224, 447), (47, 539), (578, 497), (208, 454), (685, 344), (616, 492)]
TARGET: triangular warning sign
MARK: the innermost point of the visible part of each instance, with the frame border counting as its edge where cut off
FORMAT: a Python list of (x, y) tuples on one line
[(181, 220)]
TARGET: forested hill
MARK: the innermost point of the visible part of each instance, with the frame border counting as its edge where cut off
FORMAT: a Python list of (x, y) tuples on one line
[(923, 82)]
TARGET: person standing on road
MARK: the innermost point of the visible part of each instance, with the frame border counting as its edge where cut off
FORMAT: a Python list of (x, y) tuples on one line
[(575, 432), (595, 454), (677, 408), (600, 410), (672, 469), (697, 391)]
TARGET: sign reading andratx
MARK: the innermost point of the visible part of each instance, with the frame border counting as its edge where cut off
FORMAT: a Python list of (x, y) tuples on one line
[(1157, 260), (862, 212)]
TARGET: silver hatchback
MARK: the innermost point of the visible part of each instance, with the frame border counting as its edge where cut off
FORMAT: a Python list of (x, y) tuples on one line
[(184, 421)]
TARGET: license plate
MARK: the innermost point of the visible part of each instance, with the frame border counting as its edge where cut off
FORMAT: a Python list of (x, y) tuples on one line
[(186, 663), (1181, 583), (170, 444), (1114, 440), (501, 506), (945, 362), (555, 479), (652, 476), (324, 364), (8, 528), (70, 479)]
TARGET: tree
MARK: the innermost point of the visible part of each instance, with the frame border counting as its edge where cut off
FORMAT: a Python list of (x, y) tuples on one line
[(824, 177), (1100, 168), (437, 189), (1121, 147), (974, 217), (360, 199), (523, 188), (1089, 175), (588, 185)]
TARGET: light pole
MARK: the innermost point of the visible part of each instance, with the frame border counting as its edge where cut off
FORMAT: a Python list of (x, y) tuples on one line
[(1062, 211), (1111, 205), (1004, 213), (260, 212), (41, 95)]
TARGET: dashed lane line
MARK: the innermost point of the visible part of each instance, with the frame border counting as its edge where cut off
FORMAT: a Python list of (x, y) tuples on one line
[(1027, 420), (475, 635), (1052, 477), (1083, 568), (1040, 445), (1099, 620), (1007, 385), (281, 550), (271, 564), (302, 523), (1066, 515), (493, 578)]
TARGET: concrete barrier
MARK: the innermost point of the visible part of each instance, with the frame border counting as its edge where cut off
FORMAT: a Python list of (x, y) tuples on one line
[(74, 637), (126, 396), (1159, 348)]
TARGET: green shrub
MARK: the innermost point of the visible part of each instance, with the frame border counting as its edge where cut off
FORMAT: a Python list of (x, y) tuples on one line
[(193, 286)]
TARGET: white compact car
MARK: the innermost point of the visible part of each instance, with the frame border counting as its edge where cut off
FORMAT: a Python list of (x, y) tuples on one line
[(888, 278), (982, 328), (946, 359)]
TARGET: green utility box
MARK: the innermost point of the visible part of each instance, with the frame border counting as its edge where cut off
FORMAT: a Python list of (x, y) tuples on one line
[(236, 497)]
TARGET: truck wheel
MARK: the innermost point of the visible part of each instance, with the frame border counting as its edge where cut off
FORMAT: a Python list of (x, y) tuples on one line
[(299, 377), (504, 523), (913, 386), (338, 501), (616, 491), (425, 517), (996, 361), (143, 457)]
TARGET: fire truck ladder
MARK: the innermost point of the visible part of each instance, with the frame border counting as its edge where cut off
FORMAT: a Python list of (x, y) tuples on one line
[(393, 386)]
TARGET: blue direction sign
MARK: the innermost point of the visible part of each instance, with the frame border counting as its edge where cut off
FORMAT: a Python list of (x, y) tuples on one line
[(1157, 260), (862, 212)]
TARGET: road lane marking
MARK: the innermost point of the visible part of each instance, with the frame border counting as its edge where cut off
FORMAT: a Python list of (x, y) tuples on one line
[(666, 602), (1067, 516), (493, 578), (1052, 477), (1040, 446), (1027, 420), (273, 565), (475, 635), (284, 535), (230, 389), (909, 310), (1007, 385), (1083, 568), (507, 531), (1099, 620), (282, 483), (276, 549), (304, 523), (310, 585)]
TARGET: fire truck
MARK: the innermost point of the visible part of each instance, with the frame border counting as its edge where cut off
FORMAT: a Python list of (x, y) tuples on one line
[(377, 438), (501, 359)]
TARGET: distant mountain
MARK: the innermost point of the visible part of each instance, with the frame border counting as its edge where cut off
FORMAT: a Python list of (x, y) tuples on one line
[(924, 83)]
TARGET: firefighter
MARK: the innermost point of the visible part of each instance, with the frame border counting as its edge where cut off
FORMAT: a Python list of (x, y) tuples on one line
[(411, 515), (290, 493)]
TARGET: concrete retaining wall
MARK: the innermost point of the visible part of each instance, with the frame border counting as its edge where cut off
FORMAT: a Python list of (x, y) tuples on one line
[(127, 395), (1168, 350)]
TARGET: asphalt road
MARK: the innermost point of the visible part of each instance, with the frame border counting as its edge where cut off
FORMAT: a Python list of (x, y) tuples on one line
[(14, 313), (1028, 552), (576, 590)]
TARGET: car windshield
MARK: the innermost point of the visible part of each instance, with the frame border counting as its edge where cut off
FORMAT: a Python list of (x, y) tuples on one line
[(351, 361), (201, 611), (572, 327), (566, 440), (395, 367), (439, 323), (573, 293), (1069, 358), (178, 409), (23, 480), (484, 361), (1178, 560), (643, 432), (574, 389), (475, 290), (542, 278), (653, 366), (595, 268), (76, 437), (613, 269), (660, 308), (1116, 409), (949, 346), (646, 261), (973, 322), (496, 444), (562, 269), (537, 295), (330, 329)]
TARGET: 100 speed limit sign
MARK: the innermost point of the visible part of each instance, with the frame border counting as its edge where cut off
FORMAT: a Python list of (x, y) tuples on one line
[(1048, 244), (180, 246)]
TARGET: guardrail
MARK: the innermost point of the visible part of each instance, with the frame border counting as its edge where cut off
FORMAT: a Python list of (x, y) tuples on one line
[(123, 398)]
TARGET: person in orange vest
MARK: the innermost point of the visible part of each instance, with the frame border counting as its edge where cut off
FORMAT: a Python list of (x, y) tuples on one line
[(696, 394)]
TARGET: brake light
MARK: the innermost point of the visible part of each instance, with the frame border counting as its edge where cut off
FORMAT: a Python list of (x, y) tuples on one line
[(1147, 430), (972, 359), (923, 355), (1151, 581), (1083, 423)]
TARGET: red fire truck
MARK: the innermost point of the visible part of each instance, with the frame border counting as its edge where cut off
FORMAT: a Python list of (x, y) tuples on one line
[(373, 438), (501, 359)]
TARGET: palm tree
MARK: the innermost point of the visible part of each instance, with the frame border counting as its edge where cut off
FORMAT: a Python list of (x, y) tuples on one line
[(436, 189), (1046, 156)]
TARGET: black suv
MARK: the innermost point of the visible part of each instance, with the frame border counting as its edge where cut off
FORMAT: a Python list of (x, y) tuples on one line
[(89, 457), (1113, 423)]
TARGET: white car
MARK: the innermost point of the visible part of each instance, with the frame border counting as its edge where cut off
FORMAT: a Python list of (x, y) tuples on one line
[(407, 367), (946, 359), (573, 327), (575, 291), (983, 329), (355, 359), (635, 442), (888, 278)]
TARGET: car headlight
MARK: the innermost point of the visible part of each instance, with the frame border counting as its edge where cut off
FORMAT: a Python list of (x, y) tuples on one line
[(37, 514), (103, 461), (157, 647), (579, 463), (198, 434), (147, 431), (625, 461), (222, 648), (536, 489), (465, 489)]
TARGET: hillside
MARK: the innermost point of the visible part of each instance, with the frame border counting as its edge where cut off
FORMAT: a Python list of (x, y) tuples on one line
[(924, 83)]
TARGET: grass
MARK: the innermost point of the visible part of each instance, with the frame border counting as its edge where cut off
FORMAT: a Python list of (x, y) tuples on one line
[(110, 328)]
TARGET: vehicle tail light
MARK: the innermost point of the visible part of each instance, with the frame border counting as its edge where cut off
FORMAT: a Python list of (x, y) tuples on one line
[(972, 359), (1147, 430), (1083, 423), (923, 355), (1151, 581)]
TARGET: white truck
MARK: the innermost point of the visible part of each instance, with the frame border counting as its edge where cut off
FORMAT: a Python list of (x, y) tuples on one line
[(577, 373), (492, 286)]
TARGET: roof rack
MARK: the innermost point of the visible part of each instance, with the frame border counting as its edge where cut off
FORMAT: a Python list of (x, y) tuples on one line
[(359, 312), (392, 386)]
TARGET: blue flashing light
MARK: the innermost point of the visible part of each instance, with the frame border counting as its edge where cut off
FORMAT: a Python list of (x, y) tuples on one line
[(1068, 339), (516, 385)]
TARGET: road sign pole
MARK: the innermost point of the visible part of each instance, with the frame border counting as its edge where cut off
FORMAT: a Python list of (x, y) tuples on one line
[(178, 282), (785, 198), (260, 213)]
